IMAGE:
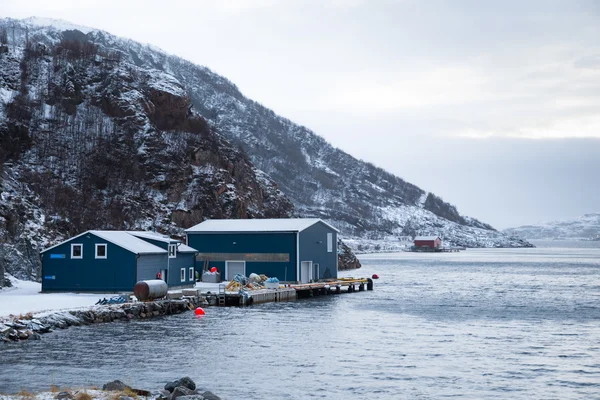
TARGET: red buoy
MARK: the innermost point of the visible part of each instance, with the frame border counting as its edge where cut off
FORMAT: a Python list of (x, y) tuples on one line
[(213, 269), (375, 276), (199, 311)]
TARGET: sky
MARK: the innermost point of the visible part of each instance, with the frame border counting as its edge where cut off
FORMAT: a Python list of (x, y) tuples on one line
[(493, 106)]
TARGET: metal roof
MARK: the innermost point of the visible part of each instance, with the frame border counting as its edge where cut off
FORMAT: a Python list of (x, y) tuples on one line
[(128, 241), (427, 238), (256, 225), (182, 248)]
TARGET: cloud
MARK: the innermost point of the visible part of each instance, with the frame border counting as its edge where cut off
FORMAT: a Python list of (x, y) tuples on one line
[(382, 91), (591, 62), (241, 6)]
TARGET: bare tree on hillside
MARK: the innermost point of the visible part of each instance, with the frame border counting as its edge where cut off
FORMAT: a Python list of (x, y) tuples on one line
[(14, 42), (3, 37)]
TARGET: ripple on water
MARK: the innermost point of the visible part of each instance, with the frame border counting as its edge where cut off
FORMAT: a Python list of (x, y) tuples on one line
[(498, 324)]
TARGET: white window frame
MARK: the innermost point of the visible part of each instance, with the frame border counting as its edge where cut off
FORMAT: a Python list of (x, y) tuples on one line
[(172, 247), (182, 275), (330, 242), (81, 253), (105, 250), (191, 276)]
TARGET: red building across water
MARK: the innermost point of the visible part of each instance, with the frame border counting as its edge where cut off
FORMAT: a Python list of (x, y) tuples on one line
[(432, 242)]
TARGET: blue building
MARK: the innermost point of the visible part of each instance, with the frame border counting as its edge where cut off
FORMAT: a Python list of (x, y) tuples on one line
[(113, 261), (293, 250)]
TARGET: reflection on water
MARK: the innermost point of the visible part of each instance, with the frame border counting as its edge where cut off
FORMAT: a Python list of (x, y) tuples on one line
[(510, 323)]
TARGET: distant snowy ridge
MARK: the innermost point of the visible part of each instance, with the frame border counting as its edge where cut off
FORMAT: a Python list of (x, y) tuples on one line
[(55, 24), (585, 227)]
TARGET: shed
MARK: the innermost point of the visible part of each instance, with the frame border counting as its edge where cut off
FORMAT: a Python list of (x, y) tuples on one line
[(432, 242), (290, 249), (113, 261)]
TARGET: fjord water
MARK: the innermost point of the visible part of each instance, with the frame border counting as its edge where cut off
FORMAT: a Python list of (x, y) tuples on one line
[(480, 324)]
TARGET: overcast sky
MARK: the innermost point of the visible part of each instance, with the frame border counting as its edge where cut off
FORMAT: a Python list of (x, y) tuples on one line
[(492, 105)]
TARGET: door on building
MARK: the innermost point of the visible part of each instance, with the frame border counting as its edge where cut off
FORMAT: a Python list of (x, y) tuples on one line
[(163, 275), (305, 271), (232, 268)]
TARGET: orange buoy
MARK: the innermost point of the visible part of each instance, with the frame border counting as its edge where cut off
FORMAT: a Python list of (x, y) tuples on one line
[(199, 311)]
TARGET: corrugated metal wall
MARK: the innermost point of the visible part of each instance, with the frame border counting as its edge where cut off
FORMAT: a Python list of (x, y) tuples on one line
[(149, 264), (314, 247)]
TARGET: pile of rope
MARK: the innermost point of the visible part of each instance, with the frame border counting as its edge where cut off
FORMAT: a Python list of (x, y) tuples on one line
[(240, 282)]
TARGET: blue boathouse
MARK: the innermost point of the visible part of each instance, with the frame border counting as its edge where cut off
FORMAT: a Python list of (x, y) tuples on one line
[(290, 249), (113, 261)]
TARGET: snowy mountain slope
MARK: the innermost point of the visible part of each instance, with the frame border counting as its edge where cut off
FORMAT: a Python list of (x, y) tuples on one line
[(322, 181), (90, 141), (584, 227)]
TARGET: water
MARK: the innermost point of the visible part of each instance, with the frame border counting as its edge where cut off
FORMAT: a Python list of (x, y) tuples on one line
[(480, 324)]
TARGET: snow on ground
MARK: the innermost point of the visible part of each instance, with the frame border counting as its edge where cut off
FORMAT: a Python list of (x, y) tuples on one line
[(6, 95), (208, 287), (164, 82), (25, 297), (362, 246)]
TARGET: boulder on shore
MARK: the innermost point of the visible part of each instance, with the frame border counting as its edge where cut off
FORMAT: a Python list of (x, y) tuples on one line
[(181, 391), (115, 385), (186, 382)]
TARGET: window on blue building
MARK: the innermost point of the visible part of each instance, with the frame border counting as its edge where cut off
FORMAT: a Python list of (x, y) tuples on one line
[(77, 250), (172, 251), (191, 274), (100, 250), (182, 274)]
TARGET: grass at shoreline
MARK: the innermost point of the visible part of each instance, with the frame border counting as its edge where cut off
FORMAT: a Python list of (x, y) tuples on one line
[(85, 393)]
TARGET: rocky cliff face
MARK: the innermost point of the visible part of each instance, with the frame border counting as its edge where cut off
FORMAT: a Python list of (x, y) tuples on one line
[(357, 197), (90, 140), (346, 257)]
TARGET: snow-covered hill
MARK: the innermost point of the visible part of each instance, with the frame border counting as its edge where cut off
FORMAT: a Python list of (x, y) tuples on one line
[(90, 141), (99, 131), (584, 227)]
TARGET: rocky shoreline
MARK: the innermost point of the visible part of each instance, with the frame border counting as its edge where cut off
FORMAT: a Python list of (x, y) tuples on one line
[(183, 389), (32, 326)]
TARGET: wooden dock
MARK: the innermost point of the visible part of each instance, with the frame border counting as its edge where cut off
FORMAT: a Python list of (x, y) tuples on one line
[(348, 285), (272, 295), (288, 292)]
